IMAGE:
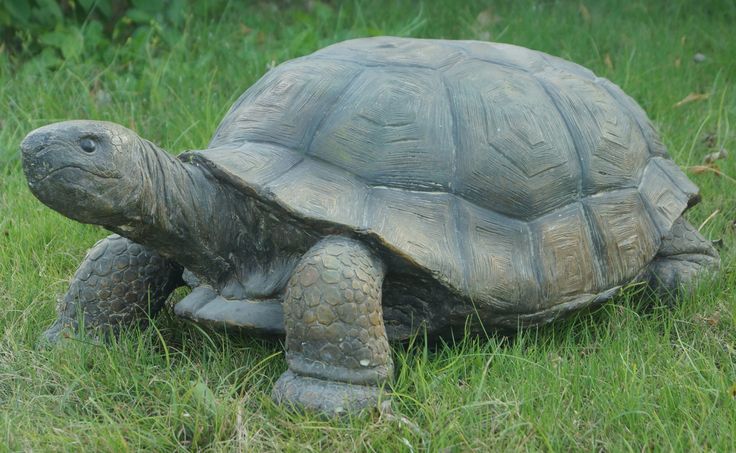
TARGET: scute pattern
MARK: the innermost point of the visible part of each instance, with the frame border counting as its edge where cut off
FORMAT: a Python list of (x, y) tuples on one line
[(284, 107), (410, 221), (656, 147), (397, 137), (627, 233), (664, 199), (509, 175), (499, 259), (514, 155), (610, 145), (321, 192), (569, 263)]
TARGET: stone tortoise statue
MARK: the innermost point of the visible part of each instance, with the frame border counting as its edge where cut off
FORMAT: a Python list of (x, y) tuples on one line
[(369, 189)]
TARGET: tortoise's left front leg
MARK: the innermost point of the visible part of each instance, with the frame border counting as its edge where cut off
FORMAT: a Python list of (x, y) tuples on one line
[(119, 284), (683, 256), (336, 344)]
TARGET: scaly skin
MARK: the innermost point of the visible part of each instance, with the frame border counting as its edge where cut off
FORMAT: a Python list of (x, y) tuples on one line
[(119, 284), (683, 256), (336, 342)]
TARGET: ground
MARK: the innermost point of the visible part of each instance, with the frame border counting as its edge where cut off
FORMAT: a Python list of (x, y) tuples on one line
[(636, 375)]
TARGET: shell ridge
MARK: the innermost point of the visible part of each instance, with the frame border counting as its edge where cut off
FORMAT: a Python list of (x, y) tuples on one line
[(666, 173), (268, 182), (460, 226), (366, 64), (649, 209), (601, 269), (367, 200), (452, 183), (503, 64), (536, 257), (311, 156), (322, 161), (459, 220)]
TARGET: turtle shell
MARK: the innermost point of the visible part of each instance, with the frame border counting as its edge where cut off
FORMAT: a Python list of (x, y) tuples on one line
[(516, 179)]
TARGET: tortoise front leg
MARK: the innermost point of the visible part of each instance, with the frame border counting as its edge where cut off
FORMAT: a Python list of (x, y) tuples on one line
[(683, 256), (336, 344), (120, 283)]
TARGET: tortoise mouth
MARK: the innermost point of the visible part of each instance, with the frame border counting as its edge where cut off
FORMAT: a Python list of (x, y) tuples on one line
[(78, 193), (54, 171), (73, 173)]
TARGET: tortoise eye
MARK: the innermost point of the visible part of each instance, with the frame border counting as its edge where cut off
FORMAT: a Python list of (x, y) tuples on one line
[(88, 145)]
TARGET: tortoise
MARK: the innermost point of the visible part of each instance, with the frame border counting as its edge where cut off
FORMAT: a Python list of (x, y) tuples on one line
[(373, 188)]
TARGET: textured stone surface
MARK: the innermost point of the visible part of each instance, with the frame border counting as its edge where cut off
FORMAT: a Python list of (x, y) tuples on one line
[(334, 323), (119, 284)]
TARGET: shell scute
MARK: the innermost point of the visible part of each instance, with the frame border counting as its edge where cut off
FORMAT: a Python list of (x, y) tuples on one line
[(628, 235), (514, 154), (611, 148), (569, 261), (500, 258), (319, 192), (280, 108), (396, 136), (420, 226), (663, 198)]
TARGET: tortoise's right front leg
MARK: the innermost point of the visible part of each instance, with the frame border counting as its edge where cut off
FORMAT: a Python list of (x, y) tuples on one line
[(120, 283), (336, 344)]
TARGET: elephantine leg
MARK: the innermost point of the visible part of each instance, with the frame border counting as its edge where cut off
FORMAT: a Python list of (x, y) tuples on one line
[(336, 344), (683, 256), (119, 284)]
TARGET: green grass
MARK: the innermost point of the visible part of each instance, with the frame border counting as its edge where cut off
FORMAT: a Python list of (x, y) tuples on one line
[(627, 377)]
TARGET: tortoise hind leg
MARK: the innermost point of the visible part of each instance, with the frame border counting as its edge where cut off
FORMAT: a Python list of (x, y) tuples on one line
[(683, 256), (119, 283), (337, 349)]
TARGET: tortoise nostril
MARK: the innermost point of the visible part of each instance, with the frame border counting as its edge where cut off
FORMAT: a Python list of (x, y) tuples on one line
[(35, 142)]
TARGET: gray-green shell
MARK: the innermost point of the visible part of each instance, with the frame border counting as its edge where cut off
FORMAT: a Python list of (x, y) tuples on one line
[(518, 180)]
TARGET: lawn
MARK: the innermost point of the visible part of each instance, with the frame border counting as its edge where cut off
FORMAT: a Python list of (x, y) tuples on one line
[(634, 375)]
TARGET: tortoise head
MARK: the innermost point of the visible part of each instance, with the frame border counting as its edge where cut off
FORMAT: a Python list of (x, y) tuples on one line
[(90, 171)]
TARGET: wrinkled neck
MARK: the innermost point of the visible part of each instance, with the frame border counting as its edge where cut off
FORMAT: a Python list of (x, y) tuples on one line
[(168, 186), (178, 213)]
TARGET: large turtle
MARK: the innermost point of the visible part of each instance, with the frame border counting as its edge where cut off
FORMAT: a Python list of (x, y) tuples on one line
[(372, 188)]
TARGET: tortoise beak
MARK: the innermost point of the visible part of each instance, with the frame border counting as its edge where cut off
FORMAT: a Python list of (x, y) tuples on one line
[(32, 148), (35, 142)]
